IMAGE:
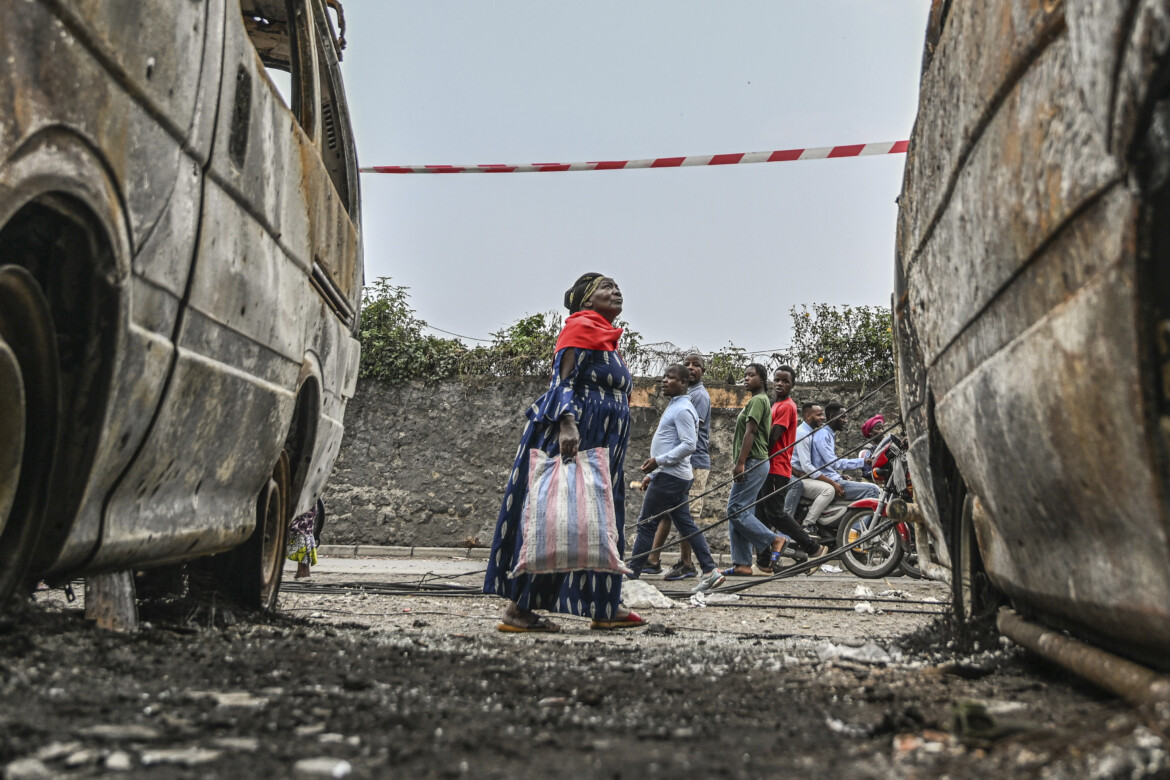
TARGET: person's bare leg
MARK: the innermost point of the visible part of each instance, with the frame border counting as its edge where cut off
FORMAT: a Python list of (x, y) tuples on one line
[(660, 535), (302, 569), (684, 555)]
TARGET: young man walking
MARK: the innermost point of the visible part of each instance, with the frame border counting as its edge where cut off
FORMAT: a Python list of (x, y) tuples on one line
[(700, 465), (780, 442), (670, 473)]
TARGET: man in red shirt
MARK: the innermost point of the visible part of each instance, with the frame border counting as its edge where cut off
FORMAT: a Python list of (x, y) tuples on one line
[(784, 422)]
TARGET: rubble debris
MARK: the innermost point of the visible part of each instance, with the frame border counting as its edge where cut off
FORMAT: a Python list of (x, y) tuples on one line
[(637, 594), (116, 732), (191, 756), (119, 761), (322, 766), (231, 699), (868, 653), (26, 769)]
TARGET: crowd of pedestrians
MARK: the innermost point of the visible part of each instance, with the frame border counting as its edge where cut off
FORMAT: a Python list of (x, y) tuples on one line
[(776, 460)]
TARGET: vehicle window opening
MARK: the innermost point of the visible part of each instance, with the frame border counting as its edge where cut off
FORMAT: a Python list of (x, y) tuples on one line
[(280, 33), (337, 151)]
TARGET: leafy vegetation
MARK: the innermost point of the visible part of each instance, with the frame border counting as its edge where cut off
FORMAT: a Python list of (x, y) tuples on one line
[(843, 343), (396, 349)]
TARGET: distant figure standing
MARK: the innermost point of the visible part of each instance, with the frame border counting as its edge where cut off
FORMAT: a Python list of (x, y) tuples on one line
[(669, 473), (700, 467), (781, 439), (586, 406), (749, 472)]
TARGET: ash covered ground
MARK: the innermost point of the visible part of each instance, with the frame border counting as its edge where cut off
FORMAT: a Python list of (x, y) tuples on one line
[(381, 684)]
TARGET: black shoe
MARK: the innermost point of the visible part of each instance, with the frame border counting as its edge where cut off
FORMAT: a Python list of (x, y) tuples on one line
[(764, 560), (651, 568), (680, 572)]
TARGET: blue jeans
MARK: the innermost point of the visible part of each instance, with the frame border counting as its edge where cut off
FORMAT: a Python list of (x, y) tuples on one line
[(855, 491), (664, 492), (792, 497), (744, 528)]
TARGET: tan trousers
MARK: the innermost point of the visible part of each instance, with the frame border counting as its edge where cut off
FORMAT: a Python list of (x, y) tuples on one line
[(697, 488)]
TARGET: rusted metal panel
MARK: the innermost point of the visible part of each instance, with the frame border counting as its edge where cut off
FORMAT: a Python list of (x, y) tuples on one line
[(984, 45), (1100, 237), (1061, 460), (102, 129), (253, 322), (1147, 42), (1019, 308), (1038, 162)]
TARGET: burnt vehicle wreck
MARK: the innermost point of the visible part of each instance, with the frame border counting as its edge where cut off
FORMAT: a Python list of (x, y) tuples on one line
[(1032, 312), (180, 276)]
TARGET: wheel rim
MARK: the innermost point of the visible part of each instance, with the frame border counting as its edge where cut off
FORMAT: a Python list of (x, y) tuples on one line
[(273, 518), (874, 554), (28, 407)]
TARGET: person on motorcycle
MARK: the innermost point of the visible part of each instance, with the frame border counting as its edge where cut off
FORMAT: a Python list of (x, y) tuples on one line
[(820, 488), (826, 462), (872, 429)]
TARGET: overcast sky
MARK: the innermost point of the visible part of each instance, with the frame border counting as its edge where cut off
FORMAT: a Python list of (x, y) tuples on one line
[(704, 256)]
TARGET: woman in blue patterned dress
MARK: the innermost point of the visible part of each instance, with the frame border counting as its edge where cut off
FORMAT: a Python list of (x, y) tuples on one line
[(586, 406)]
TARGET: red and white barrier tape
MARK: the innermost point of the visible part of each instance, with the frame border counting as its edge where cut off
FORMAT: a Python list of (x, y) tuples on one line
[(786, 155)]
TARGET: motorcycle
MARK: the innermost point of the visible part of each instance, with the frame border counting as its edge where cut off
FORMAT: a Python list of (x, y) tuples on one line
[(878, 557)]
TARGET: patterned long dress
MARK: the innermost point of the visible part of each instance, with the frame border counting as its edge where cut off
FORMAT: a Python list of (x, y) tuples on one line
[(596, 392)]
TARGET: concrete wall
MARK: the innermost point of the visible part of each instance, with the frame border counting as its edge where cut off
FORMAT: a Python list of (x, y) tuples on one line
[(424, 464)]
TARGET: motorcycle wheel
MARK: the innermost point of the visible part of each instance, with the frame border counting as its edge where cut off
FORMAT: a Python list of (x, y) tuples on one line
[(909, 563), (874, 559)]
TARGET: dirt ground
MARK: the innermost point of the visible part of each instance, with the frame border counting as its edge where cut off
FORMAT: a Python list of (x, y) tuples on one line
[(379, 683)]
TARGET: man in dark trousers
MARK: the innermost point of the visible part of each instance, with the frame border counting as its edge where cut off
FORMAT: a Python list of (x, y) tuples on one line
[(780, 441), (669, 473)]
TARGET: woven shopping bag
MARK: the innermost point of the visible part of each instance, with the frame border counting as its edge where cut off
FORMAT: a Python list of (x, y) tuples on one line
[(568, 521)]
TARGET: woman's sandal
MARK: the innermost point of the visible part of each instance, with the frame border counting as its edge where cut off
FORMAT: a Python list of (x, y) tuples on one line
[(733, 573), (538, 625), (631, 620)]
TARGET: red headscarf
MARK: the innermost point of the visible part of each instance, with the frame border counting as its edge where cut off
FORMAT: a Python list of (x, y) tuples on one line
[(587, 329)]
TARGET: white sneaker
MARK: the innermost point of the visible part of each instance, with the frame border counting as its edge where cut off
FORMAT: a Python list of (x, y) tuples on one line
[(709, 581)]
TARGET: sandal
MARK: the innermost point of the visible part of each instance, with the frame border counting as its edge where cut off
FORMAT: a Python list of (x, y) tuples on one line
[(733, 573), (538, 625), (631, 620)]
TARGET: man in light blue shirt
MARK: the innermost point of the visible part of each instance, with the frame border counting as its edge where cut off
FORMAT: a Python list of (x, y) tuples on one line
[(670, 475), (826, 462), (701, 469), (821, 489)]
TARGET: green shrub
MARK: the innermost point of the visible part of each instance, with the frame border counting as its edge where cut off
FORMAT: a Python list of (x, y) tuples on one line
[(840, 343), (396, 349), (830, 343)]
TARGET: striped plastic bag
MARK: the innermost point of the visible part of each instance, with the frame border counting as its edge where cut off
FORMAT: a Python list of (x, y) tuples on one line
[(568, 520)]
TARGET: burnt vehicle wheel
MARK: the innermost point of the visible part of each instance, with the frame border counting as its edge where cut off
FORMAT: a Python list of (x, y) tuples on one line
[(28, 420), (873, 559), (974, 597), (252, 572)]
